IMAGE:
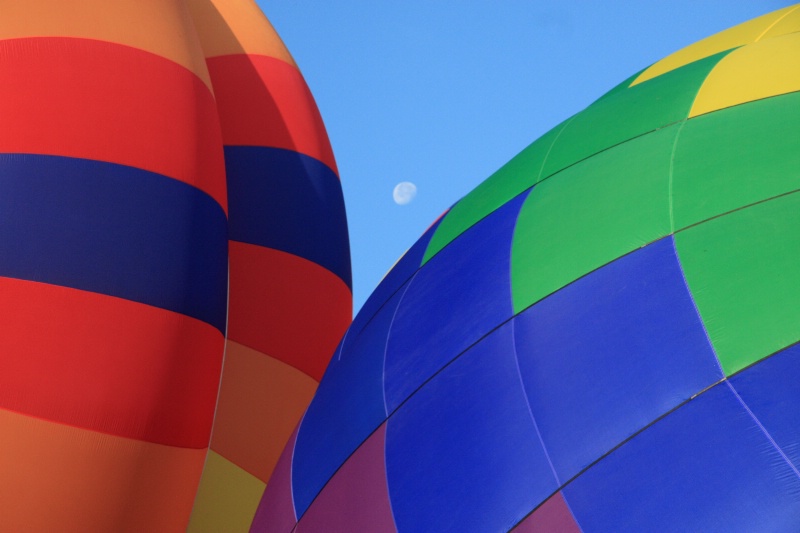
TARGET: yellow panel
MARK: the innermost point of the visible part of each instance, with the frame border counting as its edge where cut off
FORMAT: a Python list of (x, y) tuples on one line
[(766, 68), (745, 33), (260, 403), (227, 499), (788, 24), (62, 478), (163, 28), (236, 27)]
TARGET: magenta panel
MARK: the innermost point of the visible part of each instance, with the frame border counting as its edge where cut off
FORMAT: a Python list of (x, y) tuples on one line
[(275, 513), (357, 497), (553, 516)]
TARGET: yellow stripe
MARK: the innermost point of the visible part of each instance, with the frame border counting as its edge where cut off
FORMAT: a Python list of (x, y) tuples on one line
[(766, 68), (163, 28), (227, 499), (746, 33), (236, 27)]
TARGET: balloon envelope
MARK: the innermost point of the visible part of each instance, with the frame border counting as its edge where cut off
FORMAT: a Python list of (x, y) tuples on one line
[(600, 337)]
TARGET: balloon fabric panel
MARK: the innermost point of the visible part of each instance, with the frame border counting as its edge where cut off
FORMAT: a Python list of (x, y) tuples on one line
[(592, 213), (464, 298), (736, 157), (287, 201), (593, 383), (741, 268), (438, 443), (709, 459)]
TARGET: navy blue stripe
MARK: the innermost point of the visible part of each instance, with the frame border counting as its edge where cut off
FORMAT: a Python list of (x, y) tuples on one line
[(114, 230), (290, 202)]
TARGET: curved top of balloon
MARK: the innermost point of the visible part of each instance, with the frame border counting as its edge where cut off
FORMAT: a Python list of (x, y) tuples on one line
[(600, 337)]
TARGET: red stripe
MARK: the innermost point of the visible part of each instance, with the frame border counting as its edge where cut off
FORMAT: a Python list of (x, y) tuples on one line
[(264, 101), (286, 306), (103, 101), (107, 364)]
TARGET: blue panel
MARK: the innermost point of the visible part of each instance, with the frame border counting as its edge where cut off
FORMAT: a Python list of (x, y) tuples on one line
[(463, 454), (705, 467), (457, 297), (771, 389), (347, 407), (395, 278), (114, 230), (611, 352), (290, 202)]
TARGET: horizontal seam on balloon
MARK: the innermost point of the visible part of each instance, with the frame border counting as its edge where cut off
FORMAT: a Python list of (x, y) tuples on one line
[(246, 345), (656, 240), (99, 431), (323, 267), (737, 104), (654, 421), (283, 148), (242, 468)]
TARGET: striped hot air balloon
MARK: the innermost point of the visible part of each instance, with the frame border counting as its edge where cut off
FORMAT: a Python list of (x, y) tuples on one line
[(600, 337), (168, 198)]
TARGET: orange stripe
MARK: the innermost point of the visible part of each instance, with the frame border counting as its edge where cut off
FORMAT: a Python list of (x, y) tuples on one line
[(261, 401), (163, 28), (60, 478), (107, 364), (287, 307), (106, 102), (253, 91), (236, 27)]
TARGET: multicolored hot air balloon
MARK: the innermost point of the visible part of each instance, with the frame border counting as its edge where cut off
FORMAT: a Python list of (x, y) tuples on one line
[(601, 337), (168, 197)]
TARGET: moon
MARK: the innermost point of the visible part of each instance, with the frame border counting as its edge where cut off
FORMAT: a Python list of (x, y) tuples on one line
[(404, 192)]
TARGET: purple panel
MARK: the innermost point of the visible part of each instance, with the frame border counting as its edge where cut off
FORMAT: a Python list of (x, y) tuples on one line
[(456, 298), (356, 498), (553, 516), (275, 513), (610, 353)]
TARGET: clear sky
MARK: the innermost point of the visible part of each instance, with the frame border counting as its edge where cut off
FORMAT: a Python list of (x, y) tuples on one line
[(442, 93)]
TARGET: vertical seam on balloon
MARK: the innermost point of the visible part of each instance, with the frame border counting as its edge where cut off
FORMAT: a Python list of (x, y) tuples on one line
[(795, 8), (696, 308), (547, 155), (291, 473), (386, 471), (528, 405), (219, 392), (763, 429), (569, 508), (386, 345), (671, 175)]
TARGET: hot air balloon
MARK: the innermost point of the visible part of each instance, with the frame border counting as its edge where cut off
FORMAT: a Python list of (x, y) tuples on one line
[(142, 147), (600, 337)]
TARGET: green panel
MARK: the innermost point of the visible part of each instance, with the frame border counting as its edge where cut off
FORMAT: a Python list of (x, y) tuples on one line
[(620, 87), (736, 156), (591, 214), (626, 114), (742, 269), (513, 178)]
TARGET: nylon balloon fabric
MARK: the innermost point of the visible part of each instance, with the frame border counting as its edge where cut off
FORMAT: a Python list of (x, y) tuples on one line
[(141, 246), (600, 337)]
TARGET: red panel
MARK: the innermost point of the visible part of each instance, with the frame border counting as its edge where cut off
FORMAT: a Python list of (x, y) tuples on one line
[(287, 307), (357, 496), (553, 515), (107, 364), (103, 101), (254, 90)]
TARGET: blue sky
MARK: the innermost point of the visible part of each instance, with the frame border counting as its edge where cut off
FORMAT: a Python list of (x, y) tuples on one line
[(442, 93)]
